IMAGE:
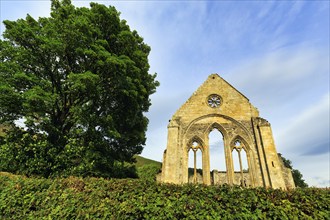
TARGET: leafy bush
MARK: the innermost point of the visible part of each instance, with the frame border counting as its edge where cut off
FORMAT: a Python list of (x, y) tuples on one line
[(148, 172), (93, 198)]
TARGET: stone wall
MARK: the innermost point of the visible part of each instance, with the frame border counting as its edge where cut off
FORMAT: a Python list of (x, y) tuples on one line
[(218, 105), (220, 178)]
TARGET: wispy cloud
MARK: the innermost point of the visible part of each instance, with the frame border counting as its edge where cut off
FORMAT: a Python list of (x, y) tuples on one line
[(308, 132), (287, 73), (315, 169), (287, 17)]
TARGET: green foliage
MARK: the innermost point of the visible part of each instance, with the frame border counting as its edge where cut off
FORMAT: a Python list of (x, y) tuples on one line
[(147, 169), (298, 179), (2, 131), (94, 198), (148, 172), (79, 80), (297, 176), (287, 163)]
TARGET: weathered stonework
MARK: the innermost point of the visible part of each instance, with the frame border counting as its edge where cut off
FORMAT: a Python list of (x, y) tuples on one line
[(218, 105)]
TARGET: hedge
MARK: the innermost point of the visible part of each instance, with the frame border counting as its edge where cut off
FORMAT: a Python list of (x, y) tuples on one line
[(97, 198)]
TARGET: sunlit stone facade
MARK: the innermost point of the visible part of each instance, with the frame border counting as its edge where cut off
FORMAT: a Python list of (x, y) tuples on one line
[(218, 105)]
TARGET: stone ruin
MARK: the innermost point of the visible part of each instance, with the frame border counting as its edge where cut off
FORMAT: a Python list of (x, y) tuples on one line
[(218, 105)]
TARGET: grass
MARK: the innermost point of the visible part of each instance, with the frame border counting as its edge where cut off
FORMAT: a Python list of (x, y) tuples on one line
[(141, 161)]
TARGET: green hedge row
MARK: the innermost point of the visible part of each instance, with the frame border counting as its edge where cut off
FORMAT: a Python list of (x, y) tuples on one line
[(97, 198)]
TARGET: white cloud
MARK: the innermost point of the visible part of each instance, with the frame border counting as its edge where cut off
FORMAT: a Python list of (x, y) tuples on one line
[(288, 17), (290, 86), (315, 169), (304, 140), (296, 73), (282, 65), (307, 130)]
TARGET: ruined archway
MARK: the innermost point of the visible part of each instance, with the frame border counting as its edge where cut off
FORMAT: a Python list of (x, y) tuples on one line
[(195, 160), (242, 163), (217, 157), (218, 106)]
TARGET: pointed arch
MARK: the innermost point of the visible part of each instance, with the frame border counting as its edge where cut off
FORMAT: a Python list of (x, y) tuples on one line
[(224, 132), (216, 146), (195, 149), (196, 139), (198, 131), (245, 176), (245, 144), (220, 128)]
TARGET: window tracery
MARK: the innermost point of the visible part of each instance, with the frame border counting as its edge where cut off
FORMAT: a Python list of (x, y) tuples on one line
[(238, 146), (195, 146)]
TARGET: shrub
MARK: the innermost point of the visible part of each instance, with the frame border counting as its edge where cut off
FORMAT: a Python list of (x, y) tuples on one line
[(148, 172), (94, 198)]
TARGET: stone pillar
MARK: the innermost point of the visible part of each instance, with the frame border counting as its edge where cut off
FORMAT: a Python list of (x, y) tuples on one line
[(163, 167), (206, 165), (273, 165), (171, 166), (252, 169), (261, 157), (229, 163), (185, 165)]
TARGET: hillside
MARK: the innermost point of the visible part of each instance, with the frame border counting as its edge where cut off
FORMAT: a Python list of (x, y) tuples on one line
[(94, 198), (142, 161), (147, 169)]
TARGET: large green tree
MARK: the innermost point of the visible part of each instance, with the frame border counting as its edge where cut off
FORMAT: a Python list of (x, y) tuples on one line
[(79, 82)]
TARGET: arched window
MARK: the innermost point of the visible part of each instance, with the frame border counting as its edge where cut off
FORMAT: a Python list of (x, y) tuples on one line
[(217, 152), (236, 160), (195, 162), (240, 161)]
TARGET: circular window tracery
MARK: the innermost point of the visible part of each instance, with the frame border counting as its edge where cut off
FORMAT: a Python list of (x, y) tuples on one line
[(237, 145), (214, 101), (195, 145)]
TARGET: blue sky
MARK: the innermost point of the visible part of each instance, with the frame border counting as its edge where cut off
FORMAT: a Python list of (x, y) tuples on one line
[(275, 53)]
